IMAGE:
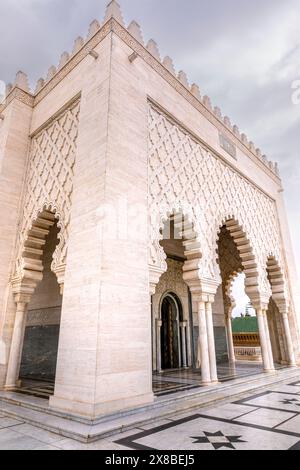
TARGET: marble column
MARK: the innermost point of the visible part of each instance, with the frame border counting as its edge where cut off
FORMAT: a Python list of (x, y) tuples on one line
[(230, 345), (263, 341), (269, 344), (289, 341), (16, 348), (211, 342), (158, 345), (183, 343), (203, 344)]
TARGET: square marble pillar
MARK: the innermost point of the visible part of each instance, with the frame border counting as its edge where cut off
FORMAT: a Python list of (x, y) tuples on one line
[(104, 359), (14, 142)]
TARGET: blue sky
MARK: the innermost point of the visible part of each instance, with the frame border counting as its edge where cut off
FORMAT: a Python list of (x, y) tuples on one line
[(244, 54)]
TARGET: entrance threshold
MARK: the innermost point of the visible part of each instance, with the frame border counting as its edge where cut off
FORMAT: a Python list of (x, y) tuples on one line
[(172, 381), (36, 411)]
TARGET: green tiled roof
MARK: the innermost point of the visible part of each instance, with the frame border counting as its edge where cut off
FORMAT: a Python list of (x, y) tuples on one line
[(245, 325)]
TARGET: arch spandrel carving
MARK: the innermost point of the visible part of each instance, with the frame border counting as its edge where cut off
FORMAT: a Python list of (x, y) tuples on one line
[(182, 172), (277, 284), (49, 187)]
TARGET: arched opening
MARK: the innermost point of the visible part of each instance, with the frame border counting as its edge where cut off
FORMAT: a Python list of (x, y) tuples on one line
[(239, 282), (43, 318), (172, 317), (39, 347), (278, 315), (206, 315), (171, 344)]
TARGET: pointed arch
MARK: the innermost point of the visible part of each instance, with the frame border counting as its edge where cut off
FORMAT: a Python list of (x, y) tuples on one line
[(248, 262), (30, 267), (277, 283), (227, 290), (184, 229)]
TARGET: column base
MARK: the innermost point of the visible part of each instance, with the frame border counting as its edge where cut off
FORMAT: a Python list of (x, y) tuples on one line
[(210, 384), (11, 388), (93, 411), (270, 371)]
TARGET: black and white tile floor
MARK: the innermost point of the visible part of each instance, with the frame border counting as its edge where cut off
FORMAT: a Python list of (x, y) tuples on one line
[(173, 381), (266, 421), (165, 383)]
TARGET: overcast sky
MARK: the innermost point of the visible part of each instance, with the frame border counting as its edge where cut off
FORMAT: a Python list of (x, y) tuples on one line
[(244, 54)]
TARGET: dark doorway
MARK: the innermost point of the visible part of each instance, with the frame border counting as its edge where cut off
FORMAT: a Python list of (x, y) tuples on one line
[(170, 339), (40, 348)]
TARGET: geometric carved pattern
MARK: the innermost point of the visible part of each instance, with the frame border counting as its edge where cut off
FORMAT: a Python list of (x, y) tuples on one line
[(171, 280), (228, 256), (49, 182), (230, 264), (185, 175)]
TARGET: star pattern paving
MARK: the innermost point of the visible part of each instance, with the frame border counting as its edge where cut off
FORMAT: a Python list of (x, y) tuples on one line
[(293, 401), (218, 440)]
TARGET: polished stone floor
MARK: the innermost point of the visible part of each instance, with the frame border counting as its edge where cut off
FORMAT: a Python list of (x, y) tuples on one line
[(269, 420), (165, 383), (173, 381)]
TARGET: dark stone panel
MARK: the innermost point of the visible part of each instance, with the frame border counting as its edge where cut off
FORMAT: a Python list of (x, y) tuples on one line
[(40, 352), (220, 343), (195, 348)]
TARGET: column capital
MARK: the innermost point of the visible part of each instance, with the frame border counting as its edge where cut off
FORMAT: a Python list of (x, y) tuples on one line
[(59, 271), (155, 274), (210, 298), (158, 323), (23, 287), (22, 298), (203, 290), (283, 308), (183, 324), (261, 311), (261, 302)]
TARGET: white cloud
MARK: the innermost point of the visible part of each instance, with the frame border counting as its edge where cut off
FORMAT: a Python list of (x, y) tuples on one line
[(244, 54), (240, 296)]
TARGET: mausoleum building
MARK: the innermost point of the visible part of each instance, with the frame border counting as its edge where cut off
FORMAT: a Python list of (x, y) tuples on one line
[(129, 205)]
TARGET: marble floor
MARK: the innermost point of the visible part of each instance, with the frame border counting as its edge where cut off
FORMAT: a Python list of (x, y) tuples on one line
[(173, 381), (165, 383), (269, 420)]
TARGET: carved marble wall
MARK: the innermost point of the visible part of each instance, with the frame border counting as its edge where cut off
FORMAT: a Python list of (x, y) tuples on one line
[(184, 175), (49, 179)]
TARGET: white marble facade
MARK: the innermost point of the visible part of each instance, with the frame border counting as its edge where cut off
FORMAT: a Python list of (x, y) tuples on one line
[(111, 146)]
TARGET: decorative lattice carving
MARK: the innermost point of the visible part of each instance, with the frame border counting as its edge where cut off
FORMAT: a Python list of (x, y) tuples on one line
[(171, 280), (230, 265), (184, 174), (49, 183)]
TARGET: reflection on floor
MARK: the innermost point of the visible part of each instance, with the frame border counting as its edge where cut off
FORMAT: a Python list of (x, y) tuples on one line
[(173, 381), (37, 388), (165, 383)]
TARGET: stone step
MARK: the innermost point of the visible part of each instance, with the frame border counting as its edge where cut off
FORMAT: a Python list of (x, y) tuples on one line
[(36, 411)]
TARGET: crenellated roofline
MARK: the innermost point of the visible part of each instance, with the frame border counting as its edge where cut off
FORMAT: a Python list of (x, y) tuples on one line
[(133, 37)]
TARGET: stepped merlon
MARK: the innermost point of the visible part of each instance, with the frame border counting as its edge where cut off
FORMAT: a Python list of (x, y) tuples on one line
[(113, 11)]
